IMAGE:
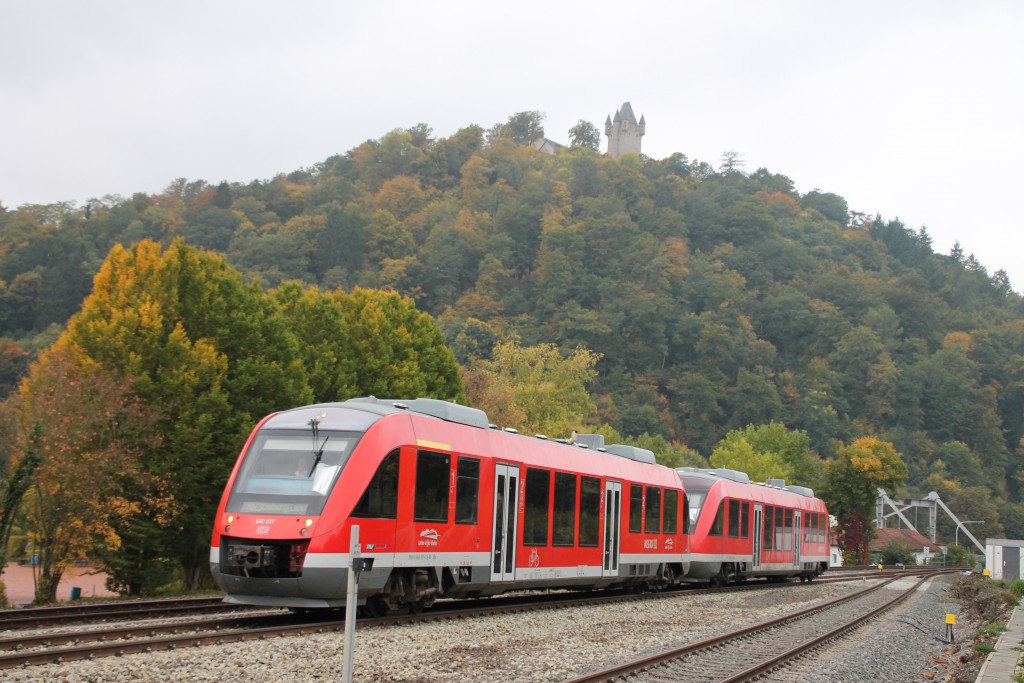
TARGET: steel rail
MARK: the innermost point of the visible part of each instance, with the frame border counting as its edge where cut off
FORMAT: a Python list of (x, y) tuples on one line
[(243, 628), (643, 664), (774, 662)]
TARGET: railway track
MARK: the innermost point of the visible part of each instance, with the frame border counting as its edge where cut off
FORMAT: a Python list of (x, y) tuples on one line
[(82, 642), (750, 652), (44, 617)]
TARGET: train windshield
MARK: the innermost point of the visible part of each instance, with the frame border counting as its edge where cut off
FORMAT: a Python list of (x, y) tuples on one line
[(286, 472), (696, 501), (696, 493)]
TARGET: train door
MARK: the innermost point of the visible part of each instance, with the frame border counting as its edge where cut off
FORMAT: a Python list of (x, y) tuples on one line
[(506, 496), (612, 520), (758, 535), (798, 535)]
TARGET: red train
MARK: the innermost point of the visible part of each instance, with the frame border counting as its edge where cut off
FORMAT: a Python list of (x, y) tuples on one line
[(446, 504), (743, 530)]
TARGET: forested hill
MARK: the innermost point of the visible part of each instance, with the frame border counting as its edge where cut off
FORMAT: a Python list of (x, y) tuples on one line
[(718, 298)]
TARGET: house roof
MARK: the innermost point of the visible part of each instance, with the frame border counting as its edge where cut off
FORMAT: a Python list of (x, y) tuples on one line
[(913, 539)]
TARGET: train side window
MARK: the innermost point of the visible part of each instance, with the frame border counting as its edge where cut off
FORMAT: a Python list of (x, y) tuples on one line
[(745, 519), (780, 521), (636, 508), (718, 524), (467, 491), (671, 511), (766, 531), (590, 512), (563, 530), (380, 499), (789, 530), (652, 522), (808, 521), (538, 499), (734, 518), (433, 474)]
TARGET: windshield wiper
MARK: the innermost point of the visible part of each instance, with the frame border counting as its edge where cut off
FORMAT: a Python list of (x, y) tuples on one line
[(318, 453)]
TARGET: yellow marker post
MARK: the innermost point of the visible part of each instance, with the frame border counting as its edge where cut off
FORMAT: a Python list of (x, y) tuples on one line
[(879, 565), (950, 621), (985, 572)]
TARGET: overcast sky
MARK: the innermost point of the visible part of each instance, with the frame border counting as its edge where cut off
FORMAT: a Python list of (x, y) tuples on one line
[(910, 109)]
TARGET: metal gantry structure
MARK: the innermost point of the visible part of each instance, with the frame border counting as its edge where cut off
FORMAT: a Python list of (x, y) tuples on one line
[(932, 504)]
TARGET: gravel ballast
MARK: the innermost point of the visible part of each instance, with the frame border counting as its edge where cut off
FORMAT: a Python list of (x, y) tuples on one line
[(547, 645)]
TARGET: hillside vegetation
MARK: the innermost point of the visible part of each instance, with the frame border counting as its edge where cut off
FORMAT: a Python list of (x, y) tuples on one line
[(716, 299)]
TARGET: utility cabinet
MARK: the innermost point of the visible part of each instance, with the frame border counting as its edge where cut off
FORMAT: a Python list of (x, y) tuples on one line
[(1003, 558)]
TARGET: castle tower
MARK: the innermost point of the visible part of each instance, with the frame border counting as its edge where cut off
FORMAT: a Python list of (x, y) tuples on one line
[(624, 132)]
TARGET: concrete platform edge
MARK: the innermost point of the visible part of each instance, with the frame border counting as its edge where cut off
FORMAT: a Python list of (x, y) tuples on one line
[(1001, 665)]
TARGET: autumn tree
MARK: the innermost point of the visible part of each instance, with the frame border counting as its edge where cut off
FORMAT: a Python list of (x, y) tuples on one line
[(212, 353), (522, 128), (852, 480), (585, 134), (399, 350), (769, 452), (89, 434), (534, 388), (736, 453), (14, 362), (368, 342)]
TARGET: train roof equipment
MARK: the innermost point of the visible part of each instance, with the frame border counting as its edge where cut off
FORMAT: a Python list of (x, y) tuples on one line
[(464, 415), (744, 478)]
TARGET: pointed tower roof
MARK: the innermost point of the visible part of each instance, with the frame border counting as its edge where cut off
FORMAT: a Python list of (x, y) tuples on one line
[(627, 113)]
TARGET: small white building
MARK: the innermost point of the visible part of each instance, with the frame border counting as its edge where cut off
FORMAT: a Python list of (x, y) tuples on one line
[(1002, 558)]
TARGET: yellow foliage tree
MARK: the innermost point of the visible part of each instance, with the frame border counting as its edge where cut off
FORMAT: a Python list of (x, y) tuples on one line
[(534, 389)]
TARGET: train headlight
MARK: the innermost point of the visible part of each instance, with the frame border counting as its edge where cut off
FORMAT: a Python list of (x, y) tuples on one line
[(304, 532), (309, 522), (231, 518), (227, 528)]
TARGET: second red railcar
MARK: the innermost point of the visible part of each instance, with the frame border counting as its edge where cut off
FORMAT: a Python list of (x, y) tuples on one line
[(744, 530)]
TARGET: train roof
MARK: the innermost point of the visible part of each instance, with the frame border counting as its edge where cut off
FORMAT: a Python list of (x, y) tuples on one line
[(710, 476), (374, 408)]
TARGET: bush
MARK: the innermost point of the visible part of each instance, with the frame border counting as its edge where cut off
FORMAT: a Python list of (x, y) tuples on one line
[(958, 556), (897, 552)]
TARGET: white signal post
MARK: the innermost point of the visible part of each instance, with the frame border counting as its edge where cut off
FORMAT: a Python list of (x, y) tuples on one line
[(356, 565)]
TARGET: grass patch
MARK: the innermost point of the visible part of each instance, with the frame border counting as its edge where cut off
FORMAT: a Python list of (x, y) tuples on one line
[(983, 647), (992, 629)]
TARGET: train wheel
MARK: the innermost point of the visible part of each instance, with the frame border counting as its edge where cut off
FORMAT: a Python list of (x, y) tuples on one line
[(376, 607)]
